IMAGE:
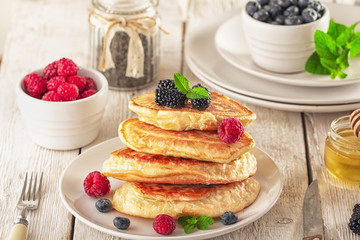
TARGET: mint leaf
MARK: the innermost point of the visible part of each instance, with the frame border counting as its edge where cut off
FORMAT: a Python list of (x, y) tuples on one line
[(335, 71), (197, 92), (188, 228), (325, 46), (345, 37), (183, 220), (203, 222), (313, 65), (355, 47), (335, 29), (181, 83)]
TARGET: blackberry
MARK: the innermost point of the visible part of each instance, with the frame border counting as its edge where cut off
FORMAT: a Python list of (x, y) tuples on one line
[(166, 84), (201, 103), (228, 218), (121, 223), (354, 223), (171, 98), (103, 205)]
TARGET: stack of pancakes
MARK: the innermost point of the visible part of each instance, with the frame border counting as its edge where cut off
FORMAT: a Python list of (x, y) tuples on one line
[(176, 164)]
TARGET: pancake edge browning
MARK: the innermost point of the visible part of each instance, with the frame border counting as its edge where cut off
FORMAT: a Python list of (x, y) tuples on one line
[(195, 144), (188, 118), (148, 200), (128, 165)]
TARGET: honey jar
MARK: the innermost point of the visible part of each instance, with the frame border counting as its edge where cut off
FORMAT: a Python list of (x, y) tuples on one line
[(342, 151)]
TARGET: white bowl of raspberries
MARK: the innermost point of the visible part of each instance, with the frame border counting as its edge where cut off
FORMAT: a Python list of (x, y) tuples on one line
[(280, 33), (62, 104)]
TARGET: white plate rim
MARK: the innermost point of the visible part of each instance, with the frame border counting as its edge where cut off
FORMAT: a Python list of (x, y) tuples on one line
[(278, 77), (196, 235), (271, 104)]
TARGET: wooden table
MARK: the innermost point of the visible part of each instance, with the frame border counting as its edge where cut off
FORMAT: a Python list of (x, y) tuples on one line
[(43, 31)]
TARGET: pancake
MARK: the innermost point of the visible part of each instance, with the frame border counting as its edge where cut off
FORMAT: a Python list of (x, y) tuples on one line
[(195, 144), (128, 165), (150, 199), (188, 118)]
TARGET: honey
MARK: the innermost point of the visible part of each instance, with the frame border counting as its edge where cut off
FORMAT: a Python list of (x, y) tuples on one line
[(342, 151)]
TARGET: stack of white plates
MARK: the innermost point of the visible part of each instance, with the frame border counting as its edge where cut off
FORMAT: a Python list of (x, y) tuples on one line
[(217, 53)]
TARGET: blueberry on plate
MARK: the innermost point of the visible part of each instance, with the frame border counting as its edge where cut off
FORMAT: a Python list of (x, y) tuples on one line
[(103, 205), (121, 223), (309, 15), (261, 15), (252, 7), (228, 218)]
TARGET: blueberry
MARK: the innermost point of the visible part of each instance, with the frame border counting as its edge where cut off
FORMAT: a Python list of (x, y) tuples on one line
[(309, 15), (292, 10), (274, 10), (275, 23), (280, 19), (228, 218), (103, 205), (261, 15), (294, 2), (284, 3), (121, 223), (316, 5), (293, 20), (252, 7), (303, 3), (263, 2)]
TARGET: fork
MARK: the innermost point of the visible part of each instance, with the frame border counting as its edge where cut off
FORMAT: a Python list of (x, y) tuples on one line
[(29, 200)]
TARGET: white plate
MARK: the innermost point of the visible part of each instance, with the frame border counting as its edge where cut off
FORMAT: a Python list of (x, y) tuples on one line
[(272, 104), (201, 53), (231, 44), (83, 206)]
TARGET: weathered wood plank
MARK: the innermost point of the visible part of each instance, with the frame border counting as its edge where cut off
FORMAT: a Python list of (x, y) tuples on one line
[(337, 198)]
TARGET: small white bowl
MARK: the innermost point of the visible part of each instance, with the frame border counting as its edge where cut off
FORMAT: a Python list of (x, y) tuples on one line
[(282, 48), (64, 125)]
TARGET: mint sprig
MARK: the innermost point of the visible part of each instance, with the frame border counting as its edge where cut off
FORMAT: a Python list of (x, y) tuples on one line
[(182, 84), (333, 50), (190, 222)]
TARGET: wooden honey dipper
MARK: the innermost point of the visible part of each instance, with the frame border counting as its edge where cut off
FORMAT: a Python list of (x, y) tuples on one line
[(355, 122)]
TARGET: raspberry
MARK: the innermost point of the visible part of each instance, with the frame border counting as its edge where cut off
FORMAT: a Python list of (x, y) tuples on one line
[(52, 96), (50, 70), (164, 224), (230, 130), (96, 184), (35, 85), (55, 82), (68, 91), (79, 81), (87, 93), (66, 67), (90, 84)]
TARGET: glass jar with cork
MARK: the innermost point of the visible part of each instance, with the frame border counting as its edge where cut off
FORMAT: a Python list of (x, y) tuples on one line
[(125, 42), (342, 148)]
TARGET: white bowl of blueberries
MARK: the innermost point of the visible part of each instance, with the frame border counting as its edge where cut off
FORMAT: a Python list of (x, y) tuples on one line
[(280, 33)]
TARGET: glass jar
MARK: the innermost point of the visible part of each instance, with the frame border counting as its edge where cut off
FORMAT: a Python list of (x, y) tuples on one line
[(125, 42), (342, 151)]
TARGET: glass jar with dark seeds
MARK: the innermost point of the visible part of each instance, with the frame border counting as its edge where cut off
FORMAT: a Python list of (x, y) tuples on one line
[(146, 68)]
